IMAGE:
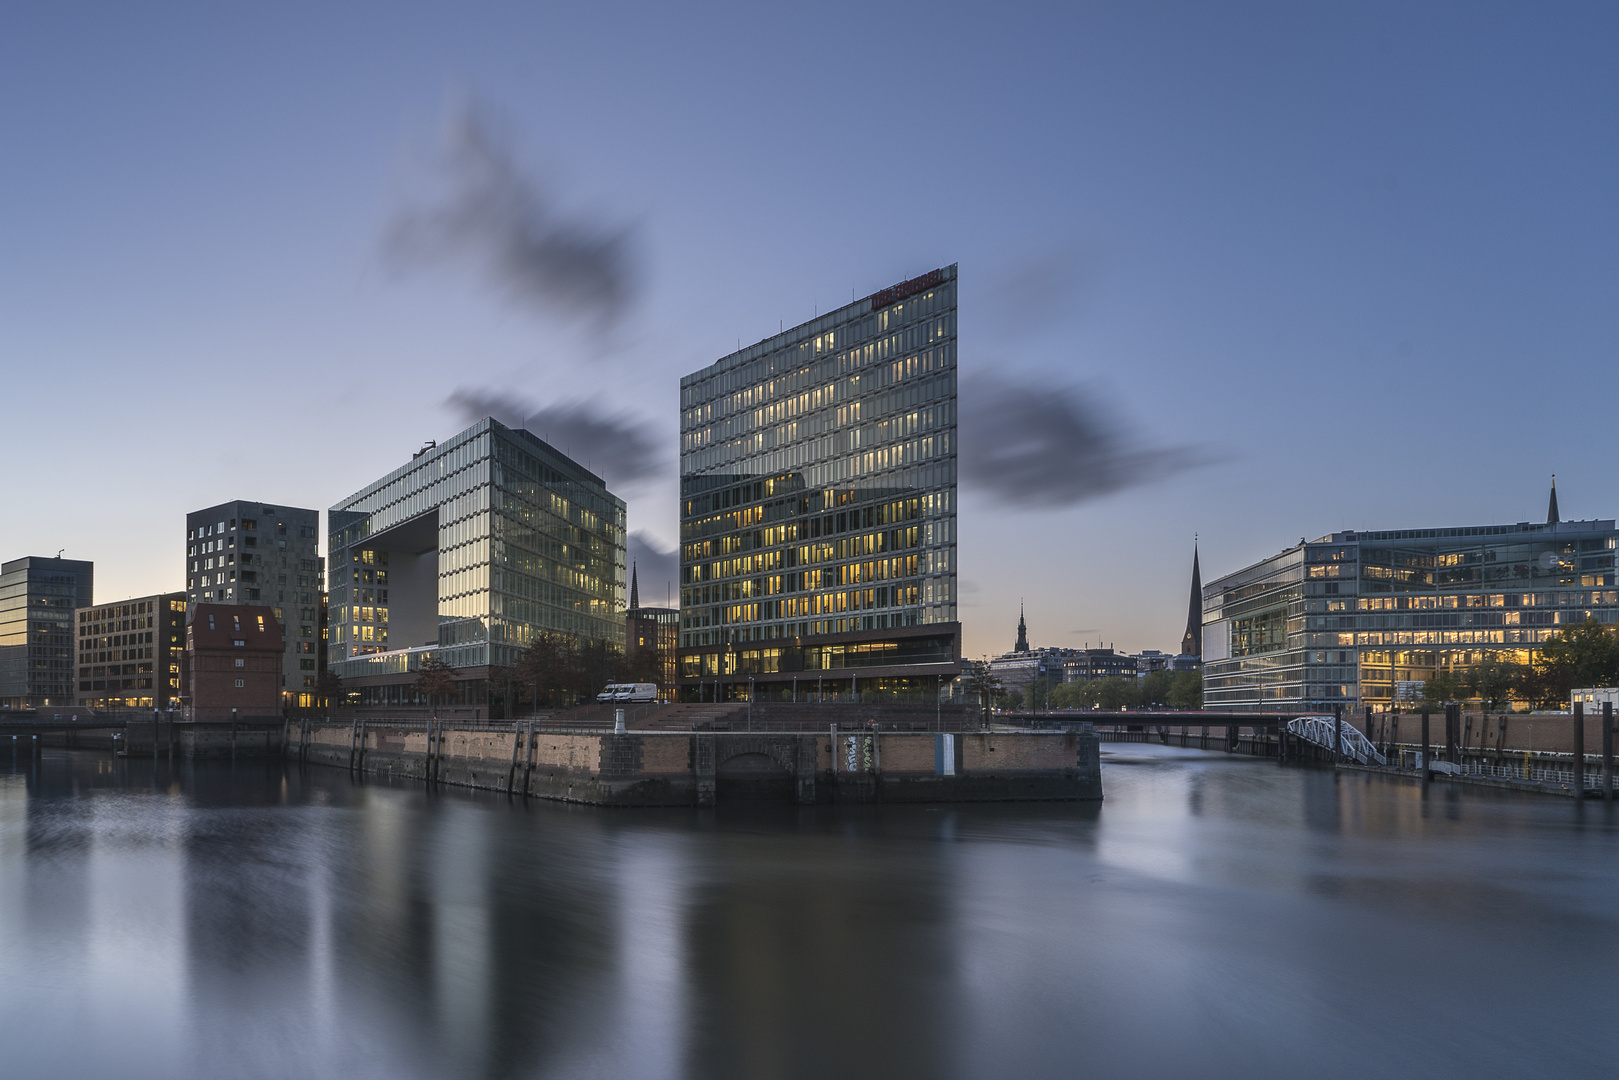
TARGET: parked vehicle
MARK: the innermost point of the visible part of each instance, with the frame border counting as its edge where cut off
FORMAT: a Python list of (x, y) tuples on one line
[(635, 691)]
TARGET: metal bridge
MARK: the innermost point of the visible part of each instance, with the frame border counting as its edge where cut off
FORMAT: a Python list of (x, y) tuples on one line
[(1332, 734)]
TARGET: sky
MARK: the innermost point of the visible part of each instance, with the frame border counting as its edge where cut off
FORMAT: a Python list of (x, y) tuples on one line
[(1258, 271)]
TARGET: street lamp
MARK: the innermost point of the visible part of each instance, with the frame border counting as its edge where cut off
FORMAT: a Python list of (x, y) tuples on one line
[(750, 702)]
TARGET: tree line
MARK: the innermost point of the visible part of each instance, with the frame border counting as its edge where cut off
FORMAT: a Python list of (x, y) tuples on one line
[(1157, 689), (1585, 654)]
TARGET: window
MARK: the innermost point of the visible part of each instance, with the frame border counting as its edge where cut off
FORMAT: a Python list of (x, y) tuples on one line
[(239, 643), (240, 662), (240, 683)]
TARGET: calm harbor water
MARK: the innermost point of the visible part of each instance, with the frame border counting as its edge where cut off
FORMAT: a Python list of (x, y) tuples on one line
[(1215, 917)]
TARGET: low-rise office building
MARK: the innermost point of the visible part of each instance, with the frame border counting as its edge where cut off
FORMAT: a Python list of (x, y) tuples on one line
[(1348, 619), (233, 662), (129, 655)]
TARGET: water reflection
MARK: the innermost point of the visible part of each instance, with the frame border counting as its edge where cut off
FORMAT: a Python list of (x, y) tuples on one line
[(1215, 917)]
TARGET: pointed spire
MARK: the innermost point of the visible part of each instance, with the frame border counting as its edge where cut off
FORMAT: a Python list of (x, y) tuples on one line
[(1192, 640), (635, 592), (1022, 631), (1551, 507)]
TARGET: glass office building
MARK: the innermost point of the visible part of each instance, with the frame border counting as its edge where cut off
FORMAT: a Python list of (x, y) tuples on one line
[(818, 504), (465, 554), (37, 599), (1355, 617)]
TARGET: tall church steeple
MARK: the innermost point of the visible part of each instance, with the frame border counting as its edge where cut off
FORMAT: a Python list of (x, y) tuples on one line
[(1551, 507), (1022, 631), (1192, 640), (635, 592)]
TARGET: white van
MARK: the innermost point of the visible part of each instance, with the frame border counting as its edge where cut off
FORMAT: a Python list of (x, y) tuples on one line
[(629, 691)]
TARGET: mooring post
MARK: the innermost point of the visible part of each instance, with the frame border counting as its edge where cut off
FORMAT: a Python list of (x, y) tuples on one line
[(1607, 750), (511, 773), (1422, 756), (528, 758), (1579, 749)]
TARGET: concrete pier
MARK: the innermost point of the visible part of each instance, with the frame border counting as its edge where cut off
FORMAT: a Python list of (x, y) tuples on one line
[(701, 768)]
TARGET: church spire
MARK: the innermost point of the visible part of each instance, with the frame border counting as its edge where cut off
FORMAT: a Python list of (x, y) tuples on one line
[(635, 592), (1192, 640), (1551, 507), (1022, 631)]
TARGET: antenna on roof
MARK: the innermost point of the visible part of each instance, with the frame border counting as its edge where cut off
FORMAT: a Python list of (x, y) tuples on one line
[(59, 552)]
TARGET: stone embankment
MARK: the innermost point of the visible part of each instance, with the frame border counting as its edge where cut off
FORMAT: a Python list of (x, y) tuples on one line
[(650, 767)]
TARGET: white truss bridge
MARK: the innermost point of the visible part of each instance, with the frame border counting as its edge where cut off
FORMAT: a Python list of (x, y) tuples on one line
[(1322, 731)]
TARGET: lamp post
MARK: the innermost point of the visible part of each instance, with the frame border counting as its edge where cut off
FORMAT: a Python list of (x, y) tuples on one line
[(750, 702)]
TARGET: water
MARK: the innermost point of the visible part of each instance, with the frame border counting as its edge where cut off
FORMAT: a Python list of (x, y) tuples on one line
[(1215, 917)]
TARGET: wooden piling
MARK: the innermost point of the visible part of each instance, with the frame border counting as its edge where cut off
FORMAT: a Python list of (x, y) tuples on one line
[(1607, 750), (1579, 749), (1422, 758)]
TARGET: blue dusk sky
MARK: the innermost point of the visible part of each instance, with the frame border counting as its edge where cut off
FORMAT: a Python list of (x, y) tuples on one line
[(1249, 271)]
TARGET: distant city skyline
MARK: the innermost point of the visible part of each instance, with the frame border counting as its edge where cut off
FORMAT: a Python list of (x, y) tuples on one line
[(1251, 272)]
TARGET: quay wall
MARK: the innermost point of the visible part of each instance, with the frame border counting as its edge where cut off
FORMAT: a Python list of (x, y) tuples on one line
[(647, 768)]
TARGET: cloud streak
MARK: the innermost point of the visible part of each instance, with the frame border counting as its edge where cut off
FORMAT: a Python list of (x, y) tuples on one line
[(614, 445), (492, 215), (1034, 447)]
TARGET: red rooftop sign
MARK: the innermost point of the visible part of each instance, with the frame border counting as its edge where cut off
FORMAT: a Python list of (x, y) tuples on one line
[(906, 288)]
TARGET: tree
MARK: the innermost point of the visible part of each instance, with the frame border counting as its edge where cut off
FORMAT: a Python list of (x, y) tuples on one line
[(543, 665), (503, 685), (1186, 690), (1156, 687), (1584, 654), (979, 684), (435, 679), (1444, 686), (329, 687), (1494, 680), (1113, 692)]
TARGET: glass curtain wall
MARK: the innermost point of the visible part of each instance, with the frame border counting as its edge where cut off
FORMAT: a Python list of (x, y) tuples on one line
[(1348, 619), (517, 538), (818, 478)]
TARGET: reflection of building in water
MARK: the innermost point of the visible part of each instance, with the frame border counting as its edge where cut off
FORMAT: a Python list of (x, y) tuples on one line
[(1344, 620), (818, 503), (464, 555)]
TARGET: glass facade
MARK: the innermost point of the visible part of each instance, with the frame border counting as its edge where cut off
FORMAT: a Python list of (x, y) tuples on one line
[(1347, 619), (37, 600), (818, 496), (469, 551)]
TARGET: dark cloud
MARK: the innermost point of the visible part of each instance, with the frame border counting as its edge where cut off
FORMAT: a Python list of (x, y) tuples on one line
[(1035, 446), (493, 215), (618, 447), (659, 571)]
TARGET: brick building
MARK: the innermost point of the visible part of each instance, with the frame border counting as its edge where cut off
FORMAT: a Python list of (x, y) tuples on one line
[(233, 662)]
